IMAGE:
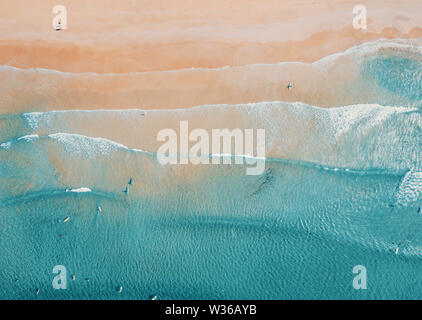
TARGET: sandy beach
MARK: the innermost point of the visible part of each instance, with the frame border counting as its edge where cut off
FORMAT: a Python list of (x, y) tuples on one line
[(211, 150), (130, 43)]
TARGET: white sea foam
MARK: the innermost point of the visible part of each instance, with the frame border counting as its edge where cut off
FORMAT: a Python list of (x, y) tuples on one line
[(358, 136), (29, 137), (344, 119), (361, 50), (81, 189), (6, 145), (76, 143), (410, 189), (33, 118)]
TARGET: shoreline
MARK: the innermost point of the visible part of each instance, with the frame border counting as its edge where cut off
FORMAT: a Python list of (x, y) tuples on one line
[(326, 83), (121, 59), (103, 36), (180, 54)]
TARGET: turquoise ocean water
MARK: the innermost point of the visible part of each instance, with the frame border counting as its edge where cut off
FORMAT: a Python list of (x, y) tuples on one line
[(343, 187)]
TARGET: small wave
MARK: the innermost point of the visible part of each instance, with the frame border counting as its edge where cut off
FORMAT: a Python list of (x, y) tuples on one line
[(356, 136), (354, 76), (81, 189), (29, 137), (410, 188), (76, 144), (361, 50)]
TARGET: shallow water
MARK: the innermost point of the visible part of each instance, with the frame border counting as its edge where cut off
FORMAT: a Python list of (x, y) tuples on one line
[(209, 240), (342, 187)]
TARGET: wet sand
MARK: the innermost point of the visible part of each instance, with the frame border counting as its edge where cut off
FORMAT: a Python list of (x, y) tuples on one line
[(131, 37)]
